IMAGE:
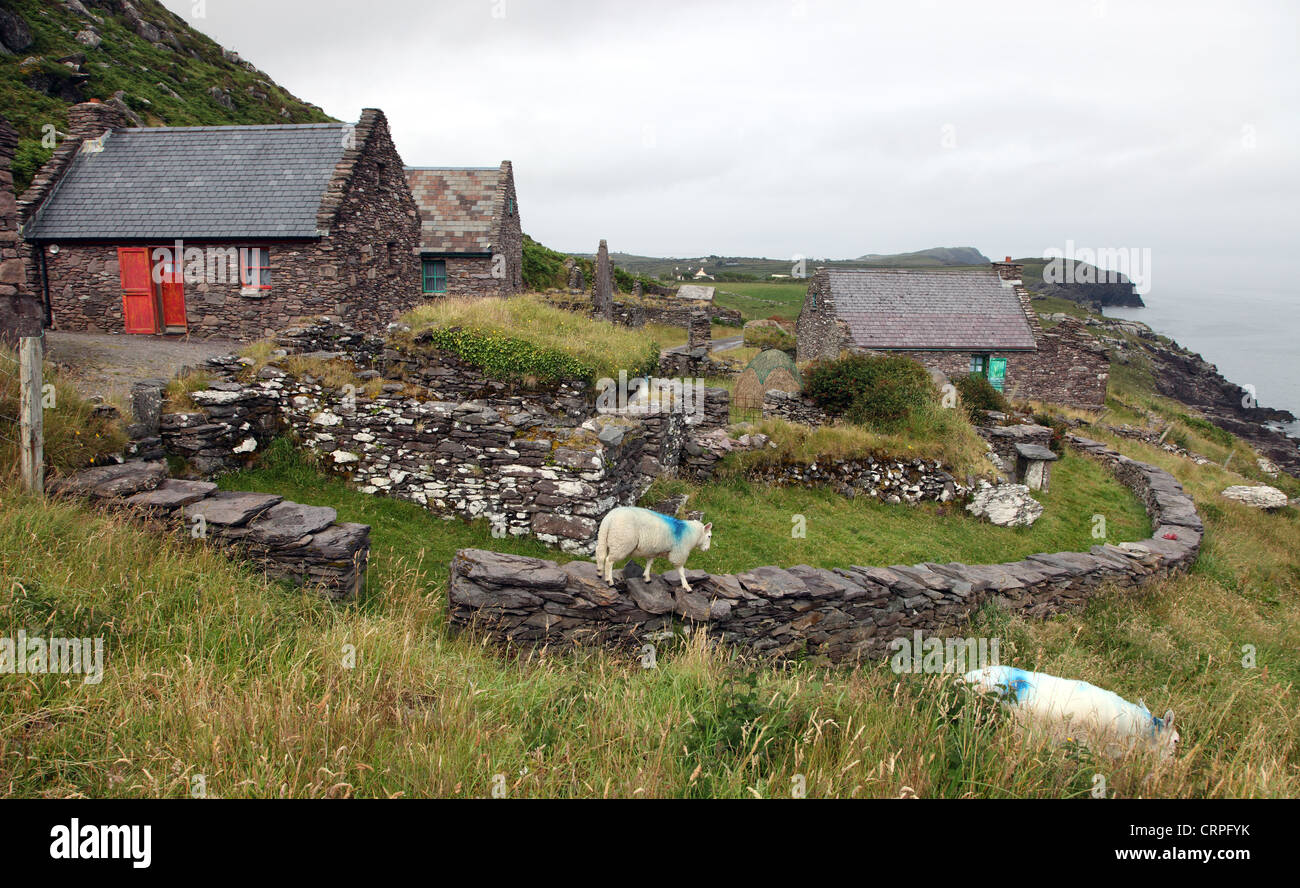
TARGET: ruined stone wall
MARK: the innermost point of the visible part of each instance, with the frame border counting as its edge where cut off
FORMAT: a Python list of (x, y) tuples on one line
[(839, 615), (21, 313), (793, 408)]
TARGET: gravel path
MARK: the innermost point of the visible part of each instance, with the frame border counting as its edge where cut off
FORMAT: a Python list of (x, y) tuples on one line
[(105, 365)]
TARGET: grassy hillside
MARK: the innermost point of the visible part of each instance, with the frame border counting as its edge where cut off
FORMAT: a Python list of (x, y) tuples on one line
[(167, 80)]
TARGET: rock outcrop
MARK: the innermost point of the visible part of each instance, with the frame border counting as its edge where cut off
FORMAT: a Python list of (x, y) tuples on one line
[(1259, 496)]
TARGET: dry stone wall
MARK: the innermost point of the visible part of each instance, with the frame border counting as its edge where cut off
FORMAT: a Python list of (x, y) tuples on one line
[(837, 615), (532, 461), (305, 545)]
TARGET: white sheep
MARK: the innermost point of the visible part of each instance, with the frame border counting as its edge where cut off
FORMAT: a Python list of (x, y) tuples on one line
[(640, 533), (1066, 707)]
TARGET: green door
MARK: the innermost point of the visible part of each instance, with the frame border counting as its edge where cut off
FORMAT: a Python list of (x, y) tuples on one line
[(998, 372)]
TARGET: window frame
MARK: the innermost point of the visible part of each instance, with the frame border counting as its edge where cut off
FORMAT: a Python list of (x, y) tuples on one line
[(425, 276), (982, 359), (263, 268)]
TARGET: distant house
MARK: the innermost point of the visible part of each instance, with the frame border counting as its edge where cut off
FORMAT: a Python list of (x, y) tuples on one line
[(702, 275), (229, 231), (471, 240), (956, 322)]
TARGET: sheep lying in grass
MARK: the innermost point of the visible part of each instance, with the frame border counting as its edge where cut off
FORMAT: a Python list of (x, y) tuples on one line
[(641, 533), (1067, 707)]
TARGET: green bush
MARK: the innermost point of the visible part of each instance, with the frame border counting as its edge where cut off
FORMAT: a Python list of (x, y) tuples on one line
[(880, 391), (978, 395), (543, 267)]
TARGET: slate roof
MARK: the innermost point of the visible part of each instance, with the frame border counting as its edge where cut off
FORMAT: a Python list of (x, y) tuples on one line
[(195, 182), (926, 309), (460, 209)]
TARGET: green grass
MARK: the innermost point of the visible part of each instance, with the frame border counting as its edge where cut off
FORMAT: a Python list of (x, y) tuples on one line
[(753, 522), (212, 670), (125, 61), (763, 300), (524, 336)]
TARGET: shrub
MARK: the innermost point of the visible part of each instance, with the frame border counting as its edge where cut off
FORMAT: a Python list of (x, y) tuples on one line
[(978, 395), (543, 267), (874, 390)]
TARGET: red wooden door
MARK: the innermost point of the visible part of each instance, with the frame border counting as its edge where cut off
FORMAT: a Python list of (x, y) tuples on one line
[(139, 311), (172, 289)]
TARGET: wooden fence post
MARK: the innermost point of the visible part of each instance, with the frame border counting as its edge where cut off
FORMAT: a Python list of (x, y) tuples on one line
[(31, 423)]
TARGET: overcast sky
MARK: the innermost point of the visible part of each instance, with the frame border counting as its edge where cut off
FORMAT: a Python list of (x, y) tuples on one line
[(831, 129)]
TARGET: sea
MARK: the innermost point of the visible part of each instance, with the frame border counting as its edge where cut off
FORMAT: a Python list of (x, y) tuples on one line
[(1252, 334)]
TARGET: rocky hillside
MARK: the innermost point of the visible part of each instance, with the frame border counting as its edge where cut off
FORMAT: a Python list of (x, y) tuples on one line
[(1092, 295), (1182, 374), (55, 53)]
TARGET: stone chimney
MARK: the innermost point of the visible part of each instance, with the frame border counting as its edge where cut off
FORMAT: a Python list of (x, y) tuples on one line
[(1009, 271), (90, 120)]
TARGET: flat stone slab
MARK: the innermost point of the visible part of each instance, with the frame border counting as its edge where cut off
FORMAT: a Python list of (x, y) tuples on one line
[(172, 494), (123, 479), (499, 569), (1036, 451), (232, 508), (285, 522)]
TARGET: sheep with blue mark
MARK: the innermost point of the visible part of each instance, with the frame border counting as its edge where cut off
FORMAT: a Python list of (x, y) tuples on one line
[(1069, 707), (628, 531)]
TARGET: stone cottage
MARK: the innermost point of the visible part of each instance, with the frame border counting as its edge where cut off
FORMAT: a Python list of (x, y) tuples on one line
[(957, 322), (471, 241), (230, 231)]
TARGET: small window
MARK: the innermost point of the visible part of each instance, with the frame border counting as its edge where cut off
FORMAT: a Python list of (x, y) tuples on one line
[(979, 365), (255, 268), (435, 275), (510, 206)]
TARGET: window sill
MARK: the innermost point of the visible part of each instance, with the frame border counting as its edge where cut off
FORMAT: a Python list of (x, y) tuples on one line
[(254, 293)]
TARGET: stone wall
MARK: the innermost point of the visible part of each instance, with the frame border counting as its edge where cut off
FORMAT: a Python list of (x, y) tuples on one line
[(534, 461), (304, 545), (793, 408), (21, 313), (1070, 367), (364, 270), (884, 478), (838, 615)]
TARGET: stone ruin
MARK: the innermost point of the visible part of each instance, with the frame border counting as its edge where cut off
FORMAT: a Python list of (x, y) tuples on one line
[(602, 296)]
